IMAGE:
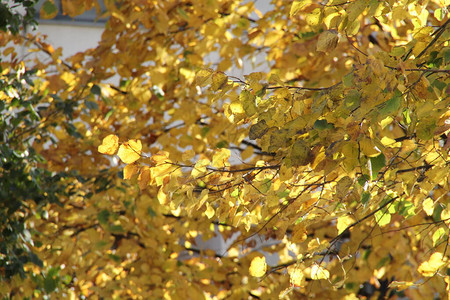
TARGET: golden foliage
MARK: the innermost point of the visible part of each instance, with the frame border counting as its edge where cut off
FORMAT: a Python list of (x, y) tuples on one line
[(330, 154)]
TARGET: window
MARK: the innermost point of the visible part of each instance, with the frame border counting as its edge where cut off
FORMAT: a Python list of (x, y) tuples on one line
[(87, 18)]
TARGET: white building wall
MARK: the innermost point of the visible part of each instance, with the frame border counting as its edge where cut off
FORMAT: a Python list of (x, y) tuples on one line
[(72, 38)]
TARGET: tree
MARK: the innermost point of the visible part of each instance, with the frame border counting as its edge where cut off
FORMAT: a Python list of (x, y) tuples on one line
[(337, 152)]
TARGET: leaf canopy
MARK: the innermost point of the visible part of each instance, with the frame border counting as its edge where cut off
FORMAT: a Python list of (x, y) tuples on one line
[(295, 150)]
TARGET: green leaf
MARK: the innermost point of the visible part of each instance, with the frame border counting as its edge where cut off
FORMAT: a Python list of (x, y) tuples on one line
[(48, 10), (439, 85), (116, 228), (391, 106), (284, 193), (352, 99), (322, 125), (103, 217), (183, 13), (91, 105), (115, 258), (348, 80), (363, 179), (265, 185), (365, 197), (96, 90), (151, 212), (204, 131), (425, 128), (222, 144), (51, 280), (376, 164)]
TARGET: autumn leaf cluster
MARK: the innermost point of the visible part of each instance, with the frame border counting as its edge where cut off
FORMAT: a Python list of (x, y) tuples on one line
[(220, 149)]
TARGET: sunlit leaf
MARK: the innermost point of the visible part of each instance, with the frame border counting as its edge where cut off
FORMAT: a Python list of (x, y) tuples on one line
[(343, 222), (297, 277), (109, 145), (437, 235), (434, 263), (209, 211), (258, 266), (130, 151), (428, 206), (318, 272), (298, 5), (401, 285), (382, 218)]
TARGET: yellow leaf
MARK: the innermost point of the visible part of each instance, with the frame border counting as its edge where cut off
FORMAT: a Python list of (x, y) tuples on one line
[(428, 206), (219, 79), (430, 267), (351, 154), (382, 218), (318, 272), (296, 277), (162, 196), (130, 151), (109, 145), (258, 266), (440, 232), (247, 153), (353, 27), (130, 170), (236, 107), (401, 285), (376, 65), (332, 19), (314, 18), (220, 158), (327, 41), (368, 147), (247, 100), (447, 280), (298, 6), (388, 142), (200, 167), (188, 155), (203, 77), (343, 222), (160, 157), (445, 214), (144, 177), (408, 146), (209, 211), (343, 186), (320, 157)]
